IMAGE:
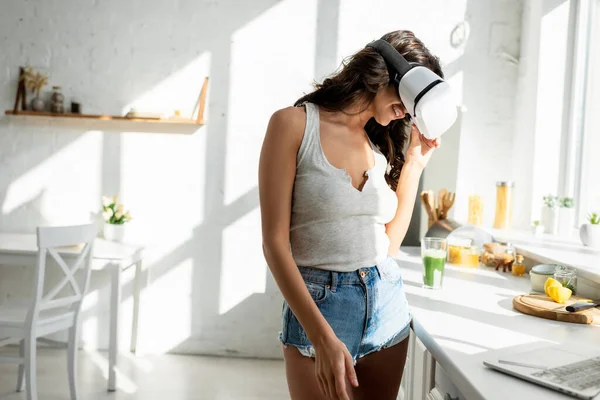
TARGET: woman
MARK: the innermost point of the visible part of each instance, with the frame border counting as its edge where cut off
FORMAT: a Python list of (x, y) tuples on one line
[(327, 192)]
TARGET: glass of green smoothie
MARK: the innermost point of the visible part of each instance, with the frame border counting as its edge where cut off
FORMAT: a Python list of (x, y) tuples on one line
[(433, 251)]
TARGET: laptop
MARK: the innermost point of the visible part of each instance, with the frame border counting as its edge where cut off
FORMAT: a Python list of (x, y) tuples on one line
[(565, 369)]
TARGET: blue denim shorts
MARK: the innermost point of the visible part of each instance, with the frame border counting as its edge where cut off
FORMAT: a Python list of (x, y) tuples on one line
[(367, 308)]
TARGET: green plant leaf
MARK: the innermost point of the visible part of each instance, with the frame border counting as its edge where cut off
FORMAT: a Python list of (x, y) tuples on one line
[(567, 202), (551, 201)]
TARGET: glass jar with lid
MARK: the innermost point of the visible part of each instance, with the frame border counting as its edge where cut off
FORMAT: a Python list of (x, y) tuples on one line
[(504, 206), (475, 216), (567, 277)]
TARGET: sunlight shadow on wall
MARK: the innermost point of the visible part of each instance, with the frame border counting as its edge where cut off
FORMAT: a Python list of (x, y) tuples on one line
[(177, 92), (64, 201)]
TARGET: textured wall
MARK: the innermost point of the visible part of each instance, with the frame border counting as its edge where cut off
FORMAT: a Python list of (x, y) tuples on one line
[(194, 197)]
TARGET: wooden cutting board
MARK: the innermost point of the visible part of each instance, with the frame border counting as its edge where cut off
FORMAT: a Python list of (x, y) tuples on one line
[(540, 305)]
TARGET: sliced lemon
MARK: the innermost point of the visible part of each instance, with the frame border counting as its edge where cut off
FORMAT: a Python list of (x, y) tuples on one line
[(551, 282), (559, 294)]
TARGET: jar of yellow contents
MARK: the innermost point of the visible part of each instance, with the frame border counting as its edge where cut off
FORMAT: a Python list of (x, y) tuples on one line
[(518, 268), (470, 257), (466, 256), (475, 216), (454, 254), (503, 218)]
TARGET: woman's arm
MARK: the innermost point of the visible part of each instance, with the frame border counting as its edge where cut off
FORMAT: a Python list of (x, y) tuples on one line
[(406, 192), (417, 156), (277, 172)]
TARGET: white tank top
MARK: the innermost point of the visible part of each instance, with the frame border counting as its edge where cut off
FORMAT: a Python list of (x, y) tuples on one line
[(334, 226)]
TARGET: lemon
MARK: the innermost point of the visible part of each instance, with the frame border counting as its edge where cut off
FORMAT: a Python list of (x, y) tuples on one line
[(559, 294), (551, 282)]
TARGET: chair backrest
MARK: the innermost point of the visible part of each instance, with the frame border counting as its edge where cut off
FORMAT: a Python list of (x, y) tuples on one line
[(75, 256)]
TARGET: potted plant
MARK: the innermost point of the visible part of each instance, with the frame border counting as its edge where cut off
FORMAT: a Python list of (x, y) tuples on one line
[(549, 214), (566, 216), (115, 218), (590, 232), (537, 228)]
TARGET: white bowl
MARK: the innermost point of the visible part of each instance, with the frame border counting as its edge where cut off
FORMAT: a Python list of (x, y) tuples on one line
[(539, 274)]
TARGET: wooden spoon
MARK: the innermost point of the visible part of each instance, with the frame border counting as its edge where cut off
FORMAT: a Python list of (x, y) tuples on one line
[(448, 201), (425, 201), (431, 199), (441, 209)]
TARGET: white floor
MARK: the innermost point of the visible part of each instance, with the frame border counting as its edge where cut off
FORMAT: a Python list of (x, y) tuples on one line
[(170, 377)]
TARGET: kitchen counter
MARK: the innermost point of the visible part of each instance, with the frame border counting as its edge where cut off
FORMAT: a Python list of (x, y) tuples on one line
[(472, 318), (556, 250)]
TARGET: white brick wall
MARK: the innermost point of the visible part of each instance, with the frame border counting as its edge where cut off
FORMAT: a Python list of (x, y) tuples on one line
[(194, 197)]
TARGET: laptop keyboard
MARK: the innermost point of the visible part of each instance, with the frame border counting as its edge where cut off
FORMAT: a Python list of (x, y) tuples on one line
[(581, 375)]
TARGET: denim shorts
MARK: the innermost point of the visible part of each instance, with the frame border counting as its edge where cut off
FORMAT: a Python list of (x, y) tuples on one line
[(367, 308)]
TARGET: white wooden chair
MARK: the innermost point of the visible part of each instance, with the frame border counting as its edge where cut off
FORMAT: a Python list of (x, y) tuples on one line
[(52, 310)]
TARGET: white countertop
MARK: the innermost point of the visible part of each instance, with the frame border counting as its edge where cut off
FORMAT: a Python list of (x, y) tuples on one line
[(472, 318)]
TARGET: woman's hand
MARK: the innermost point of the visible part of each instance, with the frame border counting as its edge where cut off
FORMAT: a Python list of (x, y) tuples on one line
[(333, 365), (420, 148)]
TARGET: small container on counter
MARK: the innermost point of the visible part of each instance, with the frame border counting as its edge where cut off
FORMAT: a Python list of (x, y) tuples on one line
[(518, 267), (503, 218), (567, 277), (454, 254), (462, 251), (539, 274), (470, 257)]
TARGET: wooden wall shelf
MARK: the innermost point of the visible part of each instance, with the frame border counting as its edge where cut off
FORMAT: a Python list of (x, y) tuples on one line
[(176, 125), (104, 117)]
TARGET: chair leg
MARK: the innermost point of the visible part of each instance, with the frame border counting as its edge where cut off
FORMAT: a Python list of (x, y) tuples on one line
[(21, 375), (72, 361), (31, 367)]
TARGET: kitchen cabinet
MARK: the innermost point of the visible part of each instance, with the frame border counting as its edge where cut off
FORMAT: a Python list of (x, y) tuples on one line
[(419, 372), (423, 378)]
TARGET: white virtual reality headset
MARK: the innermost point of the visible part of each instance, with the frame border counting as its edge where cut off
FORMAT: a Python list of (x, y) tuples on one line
[(427, 97)]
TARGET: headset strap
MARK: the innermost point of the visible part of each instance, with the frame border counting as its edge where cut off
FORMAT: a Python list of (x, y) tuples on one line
[(393, 58)]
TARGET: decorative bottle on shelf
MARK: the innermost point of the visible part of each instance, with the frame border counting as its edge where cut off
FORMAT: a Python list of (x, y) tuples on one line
[(57, 104), (37, 103)]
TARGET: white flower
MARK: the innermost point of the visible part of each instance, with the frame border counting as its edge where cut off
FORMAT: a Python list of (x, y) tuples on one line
[(118, 214), (120, 208), (107, 214), (115, 198), (127, 216), (106, 201)]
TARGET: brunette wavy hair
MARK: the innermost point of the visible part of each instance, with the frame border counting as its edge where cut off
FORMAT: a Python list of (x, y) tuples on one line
[(359, 79)]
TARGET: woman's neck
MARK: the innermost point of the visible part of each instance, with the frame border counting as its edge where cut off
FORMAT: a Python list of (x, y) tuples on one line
[(354, 116)]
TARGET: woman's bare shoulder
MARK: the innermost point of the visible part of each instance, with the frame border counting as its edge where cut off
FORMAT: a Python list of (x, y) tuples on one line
[(288, 124)]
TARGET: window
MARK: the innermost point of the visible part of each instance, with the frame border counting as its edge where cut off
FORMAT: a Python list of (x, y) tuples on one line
[(589, 165), (580, 172)]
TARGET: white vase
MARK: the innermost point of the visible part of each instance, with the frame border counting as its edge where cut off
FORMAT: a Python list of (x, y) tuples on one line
[(550, 220), (590, 235), (566, 221), (115, 233), (538, 230)]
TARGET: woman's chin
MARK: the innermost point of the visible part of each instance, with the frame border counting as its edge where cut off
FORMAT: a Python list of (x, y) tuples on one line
[(383, 121)]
